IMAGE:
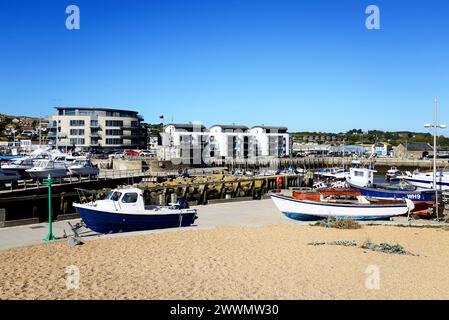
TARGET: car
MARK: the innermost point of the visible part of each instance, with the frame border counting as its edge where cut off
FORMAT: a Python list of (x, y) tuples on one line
[(116, 154), (131, 153), (147, 153)]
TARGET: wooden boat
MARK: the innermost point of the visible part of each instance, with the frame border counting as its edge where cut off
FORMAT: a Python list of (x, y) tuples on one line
[(347, 203)]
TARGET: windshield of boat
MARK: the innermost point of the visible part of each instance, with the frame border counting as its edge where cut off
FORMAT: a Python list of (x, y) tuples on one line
[(81, 162), (113, 195)]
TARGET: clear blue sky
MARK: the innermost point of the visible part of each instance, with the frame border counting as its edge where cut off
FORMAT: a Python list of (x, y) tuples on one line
[(309, 65)]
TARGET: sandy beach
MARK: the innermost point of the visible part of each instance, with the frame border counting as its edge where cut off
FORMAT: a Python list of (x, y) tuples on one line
[(269, 262)]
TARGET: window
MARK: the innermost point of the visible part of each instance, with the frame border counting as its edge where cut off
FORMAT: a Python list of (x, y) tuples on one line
[(76, 123), (134, 124), (75, 141), (77, 132), (113, 141), (130, 198), (113, 132), (115, 196), (69, 112), (358, 173), (86, 112), (114, 123), (94, 123)]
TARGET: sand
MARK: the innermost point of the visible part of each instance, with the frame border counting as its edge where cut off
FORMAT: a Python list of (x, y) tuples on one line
[(270, 262)]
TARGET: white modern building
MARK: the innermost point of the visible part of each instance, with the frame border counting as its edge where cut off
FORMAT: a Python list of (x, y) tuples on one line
[(223, 142)]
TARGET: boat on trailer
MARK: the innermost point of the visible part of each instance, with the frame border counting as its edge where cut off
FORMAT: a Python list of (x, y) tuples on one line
[(124, 210), (347, 203)]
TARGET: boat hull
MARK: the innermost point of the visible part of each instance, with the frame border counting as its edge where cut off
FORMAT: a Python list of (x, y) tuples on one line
[(111, 222), (384, 193), (423, 183), (43, 174), (84, 171), (306, 210)]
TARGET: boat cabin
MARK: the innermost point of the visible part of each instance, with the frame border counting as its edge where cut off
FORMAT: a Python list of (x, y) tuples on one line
[(362, 177), (131, 200)]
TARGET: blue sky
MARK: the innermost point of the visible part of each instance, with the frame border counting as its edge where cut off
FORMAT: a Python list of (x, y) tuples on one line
[(309, 65)]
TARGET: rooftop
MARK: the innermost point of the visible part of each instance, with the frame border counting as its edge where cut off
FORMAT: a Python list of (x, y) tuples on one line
[(95, 109), (231, 126), (418, 147)]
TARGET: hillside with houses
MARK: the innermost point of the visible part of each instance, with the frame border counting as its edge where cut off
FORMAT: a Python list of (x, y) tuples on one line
[(17, 128)]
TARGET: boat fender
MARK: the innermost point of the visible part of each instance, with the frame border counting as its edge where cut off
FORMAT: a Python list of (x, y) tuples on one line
[(279, 181)]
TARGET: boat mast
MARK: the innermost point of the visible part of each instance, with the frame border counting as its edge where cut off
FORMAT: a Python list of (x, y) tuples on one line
[(435, 154), (435, 126)]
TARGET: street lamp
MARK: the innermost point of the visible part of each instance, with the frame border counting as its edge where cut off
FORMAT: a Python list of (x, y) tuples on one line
[(435, 126)]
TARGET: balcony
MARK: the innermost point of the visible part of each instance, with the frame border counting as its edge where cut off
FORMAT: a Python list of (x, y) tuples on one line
[(132, 136), (132, 128), (53, 135), (95, 135)]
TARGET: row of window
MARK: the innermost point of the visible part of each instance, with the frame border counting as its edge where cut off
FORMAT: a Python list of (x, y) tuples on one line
[(82, 141), (113, 132), (77, 132), (96, 113), (113, 141), (75, 141), (109, 123), (114, 123), (76, 123)]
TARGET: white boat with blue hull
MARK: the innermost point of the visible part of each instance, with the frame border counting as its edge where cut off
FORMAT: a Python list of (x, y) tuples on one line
[(124, 210), (424, 180), (362, 209)]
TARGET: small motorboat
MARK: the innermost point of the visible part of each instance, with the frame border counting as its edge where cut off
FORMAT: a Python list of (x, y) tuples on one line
[(335, 173), (392, 174), (125, 210), (83, 167), (424, 179), (44, 168), (338, 203), (18, 166)]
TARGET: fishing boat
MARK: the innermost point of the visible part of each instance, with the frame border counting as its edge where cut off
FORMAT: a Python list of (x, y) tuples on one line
[(361, 180), (44, 168), (392, 174), (320, 204), (125, 210), (83, 167)]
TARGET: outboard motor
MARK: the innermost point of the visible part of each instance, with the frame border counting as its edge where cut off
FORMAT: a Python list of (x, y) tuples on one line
[(182, 204)]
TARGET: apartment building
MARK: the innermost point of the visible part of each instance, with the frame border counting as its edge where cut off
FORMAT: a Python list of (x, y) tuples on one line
[(89, 128), (223, 142)]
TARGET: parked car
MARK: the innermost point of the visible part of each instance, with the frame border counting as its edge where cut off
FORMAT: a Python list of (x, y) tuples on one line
[(147, 153), (116, 154), (131, 153)]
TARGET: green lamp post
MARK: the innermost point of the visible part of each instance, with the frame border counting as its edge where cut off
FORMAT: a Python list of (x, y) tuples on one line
[(50, 235)]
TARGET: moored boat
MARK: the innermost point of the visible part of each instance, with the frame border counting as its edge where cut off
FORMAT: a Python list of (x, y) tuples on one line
[(392, 174), (319, 204), (83, 167), (424, 179), (361, 180), (44, 168), (124, 210)]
